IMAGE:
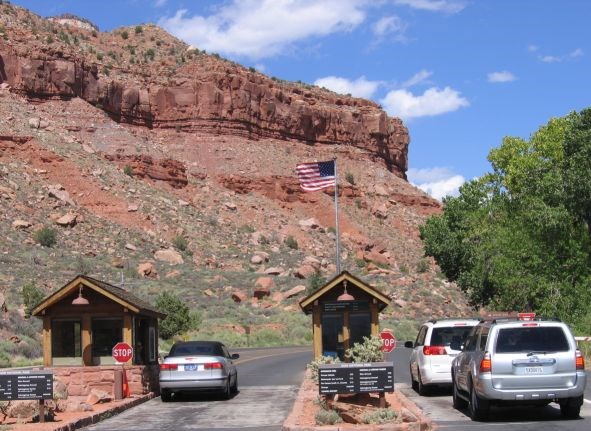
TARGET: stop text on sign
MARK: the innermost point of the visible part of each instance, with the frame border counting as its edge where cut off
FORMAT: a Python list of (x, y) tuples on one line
[(122, 352), (388, 341)]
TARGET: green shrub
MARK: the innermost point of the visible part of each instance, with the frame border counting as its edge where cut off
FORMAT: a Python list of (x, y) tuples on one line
[(32, 296), (180, 243), (45, 236), (379, 416), (128, 170), (138, 29), (315, 282), (99, 56), (124, 34), (360, 263), (150, 54), (291, 242), (327, 417), (350, 178), (178, 319), (313, 366), (423, 266), (370, 350), (49, 40)]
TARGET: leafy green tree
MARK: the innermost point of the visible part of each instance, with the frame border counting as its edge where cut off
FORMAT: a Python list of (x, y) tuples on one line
[(518, 238), (32, 296), (178, 319)]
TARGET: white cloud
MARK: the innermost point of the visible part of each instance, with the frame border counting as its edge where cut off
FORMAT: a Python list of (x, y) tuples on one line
[(503, 76), (437, 182), (447, 6), (576, 53), (417, 78), (360, 87), (389, 24), (258, 29), (532, 48), (550, 59), (160, 3), (404, 104)]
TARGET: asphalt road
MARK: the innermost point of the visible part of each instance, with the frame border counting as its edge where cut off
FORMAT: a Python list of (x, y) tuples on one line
[(269, 380)]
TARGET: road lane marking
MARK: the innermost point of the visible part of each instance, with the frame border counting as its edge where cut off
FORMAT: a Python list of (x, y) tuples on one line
[(242, 361)]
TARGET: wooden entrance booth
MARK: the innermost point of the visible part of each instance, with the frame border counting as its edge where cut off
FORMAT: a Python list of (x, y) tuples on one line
[(343, 311), (84, 319)]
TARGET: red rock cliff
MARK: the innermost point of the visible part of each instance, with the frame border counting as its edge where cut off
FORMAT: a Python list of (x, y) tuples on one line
[(212, 95)]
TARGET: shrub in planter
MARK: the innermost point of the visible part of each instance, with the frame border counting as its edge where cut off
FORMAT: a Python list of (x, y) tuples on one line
[(370, 350), (327, 417), (313, 366)]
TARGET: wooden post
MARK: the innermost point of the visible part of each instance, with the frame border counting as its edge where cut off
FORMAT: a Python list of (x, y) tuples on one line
[(86, 340), (127, 329), (375, 320), (317, 330), (41, 410), (47, 361), (382, 402)]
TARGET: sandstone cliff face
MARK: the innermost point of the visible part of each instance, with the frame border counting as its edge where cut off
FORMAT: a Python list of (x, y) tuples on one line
[(214, 96)]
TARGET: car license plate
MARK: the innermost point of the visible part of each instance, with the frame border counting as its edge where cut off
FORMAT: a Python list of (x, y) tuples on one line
[(190, 367), (534, 370)]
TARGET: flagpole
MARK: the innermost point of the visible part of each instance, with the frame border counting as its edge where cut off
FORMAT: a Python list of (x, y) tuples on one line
[(336, 211)]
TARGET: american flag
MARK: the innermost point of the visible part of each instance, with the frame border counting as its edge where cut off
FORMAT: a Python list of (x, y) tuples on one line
[(316, 176)]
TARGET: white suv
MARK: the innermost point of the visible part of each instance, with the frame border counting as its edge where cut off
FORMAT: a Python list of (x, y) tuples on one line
[(430, 360)]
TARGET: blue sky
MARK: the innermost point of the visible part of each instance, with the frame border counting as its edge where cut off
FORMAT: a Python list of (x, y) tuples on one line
[(462, 74)]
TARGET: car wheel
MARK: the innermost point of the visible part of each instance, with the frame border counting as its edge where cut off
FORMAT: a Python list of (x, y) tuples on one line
[(413, 382), (227, 392), (478, 407), (458, 402), (421, 388), (570, 408), (166, 396), (234, 388)]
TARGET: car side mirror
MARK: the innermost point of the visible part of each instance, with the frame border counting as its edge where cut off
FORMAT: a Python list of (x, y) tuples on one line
[(235, 356), (456, 345), (409, 344)]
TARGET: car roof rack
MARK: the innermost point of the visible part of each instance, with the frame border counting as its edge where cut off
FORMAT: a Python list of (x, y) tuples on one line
[(517, 319), (453, 318)]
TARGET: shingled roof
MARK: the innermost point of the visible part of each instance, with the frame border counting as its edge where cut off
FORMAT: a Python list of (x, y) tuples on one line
[(115, 293)]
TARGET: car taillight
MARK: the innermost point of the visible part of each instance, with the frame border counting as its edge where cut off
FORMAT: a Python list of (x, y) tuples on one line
[(579, 360), (213, 366), (434, 350), (168, 367), (486, 363)]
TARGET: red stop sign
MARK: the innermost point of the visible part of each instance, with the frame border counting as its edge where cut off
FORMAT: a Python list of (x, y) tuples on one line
[(388, 341), (122, 352)]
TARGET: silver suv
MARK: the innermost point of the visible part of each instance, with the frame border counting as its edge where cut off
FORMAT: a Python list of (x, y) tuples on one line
[(509, 361)]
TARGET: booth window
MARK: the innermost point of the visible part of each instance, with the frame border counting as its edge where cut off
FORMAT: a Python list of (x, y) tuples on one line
[(66, 342), (359, 327), (106, 332), (332, 336)]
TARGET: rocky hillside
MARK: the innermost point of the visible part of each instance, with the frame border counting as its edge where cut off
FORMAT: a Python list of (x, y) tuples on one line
[(162, 167)]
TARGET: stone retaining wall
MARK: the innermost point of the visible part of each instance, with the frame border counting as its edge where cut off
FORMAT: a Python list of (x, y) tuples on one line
[(142, 379)]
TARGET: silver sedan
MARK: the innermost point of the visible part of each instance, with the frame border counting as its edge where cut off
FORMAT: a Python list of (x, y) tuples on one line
[(195, 366)]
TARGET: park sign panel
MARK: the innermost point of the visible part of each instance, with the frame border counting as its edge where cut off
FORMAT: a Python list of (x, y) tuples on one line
[(26, 385), (354, 378)]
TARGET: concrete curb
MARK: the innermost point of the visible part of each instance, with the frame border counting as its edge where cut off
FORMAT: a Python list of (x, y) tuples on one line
[(94, 418), (305, 393)]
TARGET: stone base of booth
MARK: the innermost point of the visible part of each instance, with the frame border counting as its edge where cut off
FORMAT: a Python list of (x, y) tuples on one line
[(70, 421), (80, 381), (303, 414)]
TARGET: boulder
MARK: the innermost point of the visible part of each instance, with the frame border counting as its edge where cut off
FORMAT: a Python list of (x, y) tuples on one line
[(146, 269), (277, 270), (238, 296), (261, 292), (256, 259), (170, 256), (21, 224), (60, 194), (67, 220), (265, 282), (310, 223), (295, 291), (98, 396), (304, 271)]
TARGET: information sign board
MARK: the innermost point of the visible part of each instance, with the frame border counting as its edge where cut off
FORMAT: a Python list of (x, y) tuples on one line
[(26, 385), (354, 378), (353, 306)]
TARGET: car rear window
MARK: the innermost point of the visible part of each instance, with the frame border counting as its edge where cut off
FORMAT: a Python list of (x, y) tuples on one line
[(444, 336), (532, 339), (196, 349)]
